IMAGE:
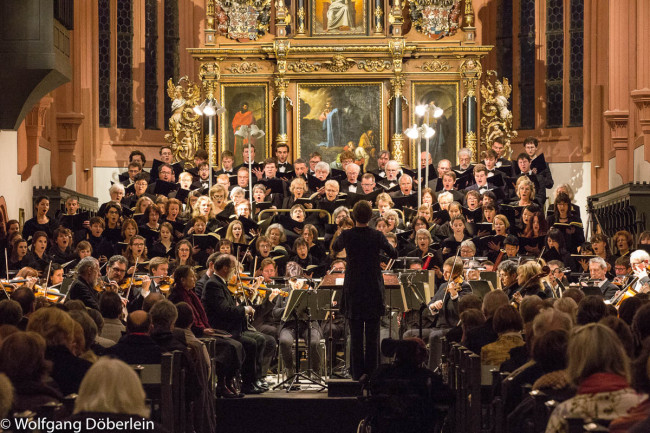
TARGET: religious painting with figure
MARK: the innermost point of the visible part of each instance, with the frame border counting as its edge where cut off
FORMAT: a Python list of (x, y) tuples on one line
[(246, 117), (334, 117), (339, 17), (432, 95)]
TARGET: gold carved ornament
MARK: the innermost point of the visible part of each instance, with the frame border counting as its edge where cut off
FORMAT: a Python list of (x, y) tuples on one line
[(303, 66), (339, 63), (496, 119), (244, 68), (436, 66), (301, 19), (184, 123), (471, 71), (374, 65)]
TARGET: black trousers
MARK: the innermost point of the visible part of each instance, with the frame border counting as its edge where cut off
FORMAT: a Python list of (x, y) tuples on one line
[(364, 358), (252, 352)]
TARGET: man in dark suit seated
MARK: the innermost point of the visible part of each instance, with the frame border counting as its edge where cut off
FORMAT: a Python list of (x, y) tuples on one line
[(224, 313), (83, 287), (136, 347), (444, 308), (597, 271)]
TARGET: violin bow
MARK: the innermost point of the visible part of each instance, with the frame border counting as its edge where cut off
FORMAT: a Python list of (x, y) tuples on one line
[(135, 268), (47, 278)]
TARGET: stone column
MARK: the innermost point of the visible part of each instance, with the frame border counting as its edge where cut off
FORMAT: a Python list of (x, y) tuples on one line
[(67, 129), (618, 113), (641, 95)]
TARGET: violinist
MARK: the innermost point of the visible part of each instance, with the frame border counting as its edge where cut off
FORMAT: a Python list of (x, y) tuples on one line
[(597, 271), (158, 266), (507, 273), (444, 308), (264, 320), (224, 313), (83, 287), (290, 328), (529, 278)]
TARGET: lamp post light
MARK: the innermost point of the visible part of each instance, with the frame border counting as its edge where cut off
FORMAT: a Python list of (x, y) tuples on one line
[(426, 111), (210, 108), (250, 131), (418, 133)]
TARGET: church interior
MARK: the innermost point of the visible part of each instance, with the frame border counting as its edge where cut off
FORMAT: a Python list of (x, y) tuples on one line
[(553, 95)]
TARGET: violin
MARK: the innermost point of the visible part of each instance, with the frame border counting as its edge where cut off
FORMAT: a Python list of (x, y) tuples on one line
[(131, 281), (165, 284)]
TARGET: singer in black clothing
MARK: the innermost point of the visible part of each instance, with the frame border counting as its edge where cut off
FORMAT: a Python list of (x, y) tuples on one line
[(363, 288)]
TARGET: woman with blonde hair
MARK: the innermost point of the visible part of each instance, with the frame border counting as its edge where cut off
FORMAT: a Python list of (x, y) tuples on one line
[(525, 191), (111, 389), (600, 369), (235, 232)]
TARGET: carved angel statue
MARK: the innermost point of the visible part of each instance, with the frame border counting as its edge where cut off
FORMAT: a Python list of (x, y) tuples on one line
[(184, 124), (497, 117)]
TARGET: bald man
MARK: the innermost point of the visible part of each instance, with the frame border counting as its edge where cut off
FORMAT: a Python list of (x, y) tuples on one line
[(137, 347)]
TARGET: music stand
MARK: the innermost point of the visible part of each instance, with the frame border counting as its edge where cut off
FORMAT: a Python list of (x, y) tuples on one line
[(480, 287), (309, 306), (416, 292)]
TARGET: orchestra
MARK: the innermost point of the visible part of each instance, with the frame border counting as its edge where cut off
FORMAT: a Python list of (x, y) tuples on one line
[(239, 252)]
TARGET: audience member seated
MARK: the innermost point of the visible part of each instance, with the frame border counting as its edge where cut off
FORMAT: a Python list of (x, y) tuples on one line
[(57, 328), (136, 346), (485, 334), (112, 391), (22, 359), (599, 368), (508, 326)]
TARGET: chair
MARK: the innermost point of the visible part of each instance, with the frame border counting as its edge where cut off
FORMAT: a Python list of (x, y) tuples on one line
[(163, 386)]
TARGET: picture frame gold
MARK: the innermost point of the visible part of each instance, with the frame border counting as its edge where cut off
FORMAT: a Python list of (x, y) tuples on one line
[(354, 117), (336, 18), (232, 95), (446, 95)]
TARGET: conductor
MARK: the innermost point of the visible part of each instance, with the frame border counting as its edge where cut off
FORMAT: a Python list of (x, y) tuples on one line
[(363, 288)]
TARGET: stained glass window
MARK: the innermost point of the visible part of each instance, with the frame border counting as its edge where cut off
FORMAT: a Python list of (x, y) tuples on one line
[(104, 50), (504, 39), (576, 35), (554, 62), (124, 81), (150, 65), (171, 60), (527, 65)]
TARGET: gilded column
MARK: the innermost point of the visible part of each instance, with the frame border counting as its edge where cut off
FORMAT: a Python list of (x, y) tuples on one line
[(301, 17), (280, 106), (618, 114), (397, 139), (379, 17), (209, 31), (209, 74), (471, 72)]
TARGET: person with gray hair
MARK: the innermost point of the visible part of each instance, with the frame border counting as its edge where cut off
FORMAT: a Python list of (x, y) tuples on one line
[(392, 175), (464, 160), (507, 273), (639, 261), (597, 272), (83, 287)]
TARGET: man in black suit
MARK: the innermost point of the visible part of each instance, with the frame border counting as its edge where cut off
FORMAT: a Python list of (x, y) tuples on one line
[(282, 157), (83, 287), (444, 307), (351, 183), (597, 271), (224, 313), (363, 288)]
